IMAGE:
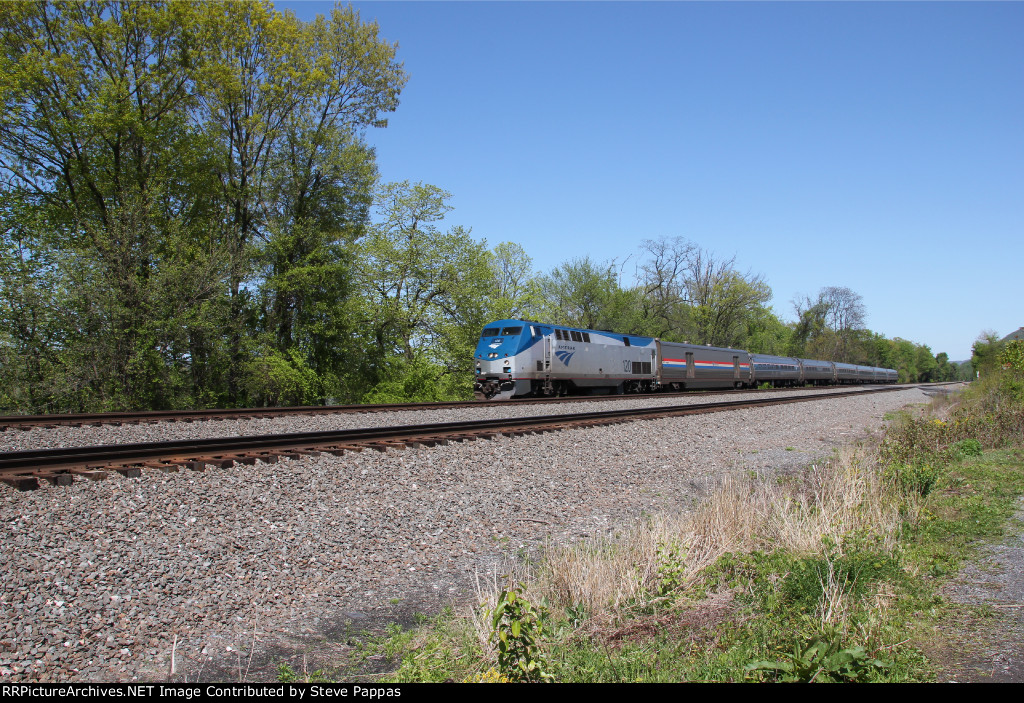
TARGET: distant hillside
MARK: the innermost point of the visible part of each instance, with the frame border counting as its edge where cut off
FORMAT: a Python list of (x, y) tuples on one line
[(1019, 334)]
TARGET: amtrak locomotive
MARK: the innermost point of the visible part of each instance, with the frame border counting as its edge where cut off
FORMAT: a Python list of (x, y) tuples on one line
[(517, 358)]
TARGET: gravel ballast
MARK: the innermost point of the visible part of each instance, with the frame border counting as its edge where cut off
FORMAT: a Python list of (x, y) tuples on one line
[(102, 580)]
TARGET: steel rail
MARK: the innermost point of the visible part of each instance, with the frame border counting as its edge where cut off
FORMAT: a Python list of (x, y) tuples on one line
[(58, 465)]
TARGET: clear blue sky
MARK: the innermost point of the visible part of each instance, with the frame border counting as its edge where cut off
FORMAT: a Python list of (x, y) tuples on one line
[(878, 146)]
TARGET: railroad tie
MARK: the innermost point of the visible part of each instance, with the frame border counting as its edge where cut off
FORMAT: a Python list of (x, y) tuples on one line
[(91, 474), (340, 451), (22, 483), (384, 446), (58, 479), (167, 468)]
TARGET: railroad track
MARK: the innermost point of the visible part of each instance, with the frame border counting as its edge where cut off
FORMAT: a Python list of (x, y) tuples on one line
[(27, 422), (25, 469)]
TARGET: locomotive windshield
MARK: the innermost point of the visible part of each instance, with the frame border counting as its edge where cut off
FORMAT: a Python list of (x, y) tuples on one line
[(512, 331), (489, 332)]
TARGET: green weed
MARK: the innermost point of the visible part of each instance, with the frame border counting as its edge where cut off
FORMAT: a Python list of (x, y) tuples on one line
[(517, 629)]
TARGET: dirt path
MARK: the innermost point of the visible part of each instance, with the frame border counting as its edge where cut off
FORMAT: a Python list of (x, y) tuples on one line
[(984, 641)]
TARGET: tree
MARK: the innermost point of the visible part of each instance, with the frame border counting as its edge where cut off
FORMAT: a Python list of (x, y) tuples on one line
[(721, 298), (845, 315), (203, 174), (578, 293), (766, 334), (691, 295), (927, 366), (284, 103), (829, 326), (30, 303), (93, 126), (423, 291), (663, 279), (985, 352), (515, 289)]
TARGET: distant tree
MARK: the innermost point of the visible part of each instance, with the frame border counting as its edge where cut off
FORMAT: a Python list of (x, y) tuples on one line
[(766, 333), (827, 326), (515, 288), (689, 294), (663, 276), (985, 352), (946, 370), (809, 329), (927, 366)]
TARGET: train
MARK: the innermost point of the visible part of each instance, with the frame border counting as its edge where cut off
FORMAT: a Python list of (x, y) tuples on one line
[(522, 358)]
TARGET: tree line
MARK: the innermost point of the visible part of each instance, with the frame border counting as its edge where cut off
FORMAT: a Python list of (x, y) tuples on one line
[(191, 216)]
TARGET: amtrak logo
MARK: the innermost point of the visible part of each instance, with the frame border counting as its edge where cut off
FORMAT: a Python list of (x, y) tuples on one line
[(565, 356)]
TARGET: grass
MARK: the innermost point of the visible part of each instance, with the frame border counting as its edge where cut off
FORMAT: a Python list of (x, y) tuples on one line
[(829, 574)]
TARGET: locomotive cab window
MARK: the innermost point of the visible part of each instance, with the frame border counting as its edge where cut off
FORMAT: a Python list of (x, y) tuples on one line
[(512, 331), (490, 332), (625, 340)]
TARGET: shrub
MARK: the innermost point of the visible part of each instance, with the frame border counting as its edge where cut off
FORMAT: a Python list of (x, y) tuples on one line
[(968, 447), (671, 567), (517, 626)]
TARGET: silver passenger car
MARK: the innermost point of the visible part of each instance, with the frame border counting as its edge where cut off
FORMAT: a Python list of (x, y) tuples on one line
[(695, 366), (776, 370)]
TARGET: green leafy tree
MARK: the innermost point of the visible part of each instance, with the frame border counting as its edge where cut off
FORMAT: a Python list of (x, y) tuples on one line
[(985, 352), (202, 172), (688, 294), (515, 290), (927, 366), (283, 102), (94, 99), (722, 299), (423, 290), (31, 300), (583, 293), (766, 333)]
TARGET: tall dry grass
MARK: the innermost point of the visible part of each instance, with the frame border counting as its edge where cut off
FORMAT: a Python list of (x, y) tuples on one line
[(798, 513)]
